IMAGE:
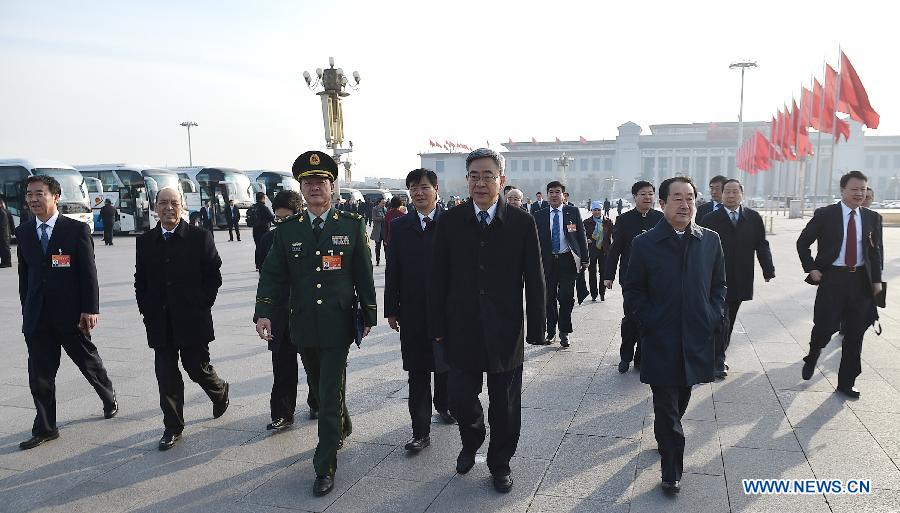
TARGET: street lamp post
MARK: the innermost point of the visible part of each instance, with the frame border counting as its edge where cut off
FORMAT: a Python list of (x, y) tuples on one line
[(188, 125), (563, 162), (743, 67), (334, 88)]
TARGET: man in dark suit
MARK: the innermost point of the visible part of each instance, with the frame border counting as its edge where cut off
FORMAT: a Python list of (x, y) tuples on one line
[(263, 217), (847, 269), (283, 400), (484, 253), (406, 284), (7, 227), (539, 203), (233, 220), (715, 193), (629, 225), (564, 254), (109, 215), (176, 281), (598, 230), (743, 234), (206, 214), (60, 304), (675, 288)]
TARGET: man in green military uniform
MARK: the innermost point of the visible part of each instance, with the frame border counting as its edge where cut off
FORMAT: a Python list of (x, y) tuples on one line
[(322, 257)]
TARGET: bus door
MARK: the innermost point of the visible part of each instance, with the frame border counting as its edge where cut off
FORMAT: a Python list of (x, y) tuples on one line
[(127, 210)]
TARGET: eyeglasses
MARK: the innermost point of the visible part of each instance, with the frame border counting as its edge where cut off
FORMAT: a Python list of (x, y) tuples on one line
[(166, 204), (485, 179)]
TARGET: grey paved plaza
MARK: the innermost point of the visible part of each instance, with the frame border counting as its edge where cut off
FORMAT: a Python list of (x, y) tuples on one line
[(587, 438)]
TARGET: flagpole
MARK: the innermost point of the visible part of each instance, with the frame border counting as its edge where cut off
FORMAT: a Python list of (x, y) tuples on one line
[(837, 101), (819, 141)]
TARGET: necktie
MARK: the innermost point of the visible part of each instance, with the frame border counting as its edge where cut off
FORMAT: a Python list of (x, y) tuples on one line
[(734, 217), (45, 239), (554, 232), (850, 251), (716, 206), (167, 235), (428, 222), (483, 219), (317, 226)]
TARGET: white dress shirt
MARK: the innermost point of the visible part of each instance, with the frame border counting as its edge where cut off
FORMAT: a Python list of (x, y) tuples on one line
[(491, 211), (430, 215), (729, 212), (563, 244), (845, 218), (50, 224)]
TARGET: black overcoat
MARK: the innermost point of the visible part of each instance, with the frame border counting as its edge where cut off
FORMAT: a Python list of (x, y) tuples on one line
[(475, 300), (628, 226), (678, 301), (739, 243), (407, 279), (177, 278)]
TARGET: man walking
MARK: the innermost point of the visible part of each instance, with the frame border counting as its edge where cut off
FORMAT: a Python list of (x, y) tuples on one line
[(7, 227), (206, 216), (262, 217), (675, 288), (321, 260), (176, 280), (629, 225), (406, 284), (60, 304), (484, 253), (743, 234), (847, 269), (109, 215), (716, 184), (598, 229), (539, 203), (233, 220), (564, 254)]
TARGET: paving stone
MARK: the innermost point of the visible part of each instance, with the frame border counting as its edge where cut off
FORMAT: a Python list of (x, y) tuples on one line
[(755, 427), (741, 463), (608, 381), (553, 504), (378, 494), (436, 463), (785, 376), (474, 492), (838, 454), (818, 410), (699, 492), (879, 501), (555, 392), (595, 467), (745, 387)]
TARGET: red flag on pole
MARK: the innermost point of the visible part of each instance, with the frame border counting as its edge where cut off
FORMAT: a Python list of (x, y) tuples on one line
[(534, 140), (762, 160), (557, 140), (582, 140), (773, 137), (855, 95), (828, 118)]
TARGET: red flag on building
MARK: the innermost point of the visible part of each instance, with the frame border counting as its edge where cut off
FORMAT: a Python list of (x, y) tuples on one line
[(557, 140), (855, 95), (534, 140), (582, 140)]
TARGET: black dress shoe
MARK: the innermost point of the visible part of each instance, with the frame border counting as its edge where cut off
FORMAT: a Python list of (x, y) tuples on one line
[(446, 418), (503, 484), (110, 410), (850, 391), (323, 485), (340, 444), (602, 298), (564, 339), (35, 441), (809, 364), (594, 299), (623, 367), (280, 424), (313, 414), (220, 407), (727, 367), (671, 487), (168, 440), (417, 444), (464, 462), (721, 374), (549, 339)]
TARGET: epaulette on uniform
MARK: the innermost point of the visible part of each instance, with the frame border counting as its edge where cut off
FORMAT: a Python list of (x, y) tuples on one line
[(352, 215), (298, 216)]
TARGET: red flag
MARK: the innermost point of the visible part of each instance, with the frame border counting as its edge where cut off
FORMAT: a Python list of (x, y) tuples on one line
[(534, 140), (510, 141), (773, 134), (581, 139), (805, 147), (557, 140), (784, 123), (762, 159), (828, 117), (853, 92)]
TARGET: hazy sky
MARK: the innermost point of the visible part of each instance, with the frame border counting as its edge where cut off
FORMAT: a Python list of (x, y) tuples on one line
[(97, 82)]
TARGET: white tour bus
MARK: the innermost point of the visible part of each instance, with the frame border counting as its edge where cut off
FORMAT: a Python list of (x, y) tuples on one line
[(218, 185), (73, 203), (132, 190), (274, 181)]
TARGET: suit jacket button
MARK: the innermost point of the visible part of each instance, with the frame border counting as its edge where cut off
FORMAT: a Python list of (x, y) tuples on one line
[(166, 260), (318, 285), (481, 266), (318, 269), (483, 243), (318, 301), (168, 284), (481, 292), (318, 252)]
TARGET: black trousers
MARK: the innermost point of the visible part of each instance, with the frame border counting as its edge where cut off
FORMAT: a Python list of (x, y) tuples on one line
[(504, 413), (283, 401), (630, 349), (259, 231), (378, 251), (5, 253), (596, 265), (723, 339), (236, 228), (195, 360), (420, 399), (843, 298), (43, 362), (669, 405), (108, 233), (560, 280)]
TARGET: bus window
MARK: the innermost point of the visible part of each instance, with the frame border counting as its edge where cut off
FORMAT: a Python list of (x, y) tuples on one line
[(12, 179)]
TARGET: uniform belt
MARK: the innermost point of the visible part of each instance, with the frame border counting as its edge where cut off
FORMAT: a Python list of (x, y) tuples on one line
[(846, 268)]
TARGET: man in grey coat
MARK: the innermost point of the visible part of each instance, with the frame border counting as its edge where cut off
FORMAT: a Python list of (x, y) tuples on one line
[(675, 288)]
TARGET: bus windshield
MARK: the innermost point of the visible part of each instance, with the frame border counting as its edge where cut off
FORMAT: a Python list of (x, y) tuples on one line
[(165, 180), (241, 186), (70, 181)]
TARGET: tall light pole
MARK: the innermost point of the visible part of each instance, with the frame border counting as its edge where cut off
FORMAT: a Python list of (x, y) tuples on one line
[(188, 125), (334, 88), (563, 162), (743, 67)]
